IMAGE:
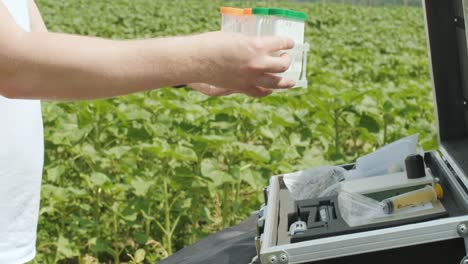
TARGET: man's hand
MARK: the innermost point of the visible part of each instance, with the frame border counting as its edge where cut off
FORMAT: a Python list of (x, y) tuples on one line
[(244, 64)]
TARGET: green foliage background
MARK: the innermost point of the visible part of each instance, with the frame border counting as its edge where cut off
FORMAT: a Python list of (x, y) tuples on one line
[(132, 179)]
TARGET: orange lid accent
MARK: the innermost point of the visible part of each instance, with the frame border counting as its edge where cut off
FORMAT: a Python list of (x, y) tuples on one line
[(247, 11), (232, 11)]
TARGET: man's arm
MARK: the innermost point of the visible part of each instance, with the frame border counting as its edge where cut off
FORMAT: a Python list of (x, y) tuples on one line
[(41, 65), (37, 23)]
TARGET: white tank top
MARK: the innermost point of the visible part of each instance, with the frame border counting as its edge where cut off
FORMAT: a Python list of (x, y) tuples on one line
[(21, 161)]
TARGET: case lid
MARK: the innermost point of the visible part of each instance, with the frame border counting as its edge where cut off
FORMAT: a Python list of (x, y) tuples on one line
[(447, 39)]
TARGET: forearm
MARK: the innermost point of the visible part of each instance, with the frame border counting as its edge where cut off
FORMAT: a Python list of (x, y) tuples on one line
[(37, 23), (65, 67)]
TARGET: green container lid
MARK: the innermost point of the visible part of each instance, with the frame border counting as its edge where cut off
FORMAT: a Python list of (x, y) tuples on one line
[(298, 15), (288, 13), (261, 11), (279, 12)]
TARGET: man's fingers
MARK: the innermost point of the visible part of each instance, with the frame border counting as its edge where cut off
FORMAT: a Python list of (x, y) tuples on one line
[(257, 92), (211, 90), (216, 91), (277, 64), (274, 82), (274, 44)]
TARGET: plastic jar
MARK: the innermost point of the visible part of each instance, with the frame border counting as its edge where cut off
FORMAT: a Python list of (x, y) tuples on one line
[(288, 23), (248, 23), (262, 21), (272, 22), (291, 24), (231, 19)]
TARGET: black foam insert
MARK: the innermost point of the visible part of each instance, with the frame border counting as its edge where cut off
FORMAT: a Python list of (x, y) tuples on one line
[(454, 205), (308, 210)]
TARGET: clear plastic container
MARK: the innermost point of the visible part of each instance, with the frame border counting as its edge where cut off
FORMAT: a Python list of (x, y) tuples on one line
[(248, 23), (232, 19), (291, 24), (288, 23), (262, 21), (273, 22)]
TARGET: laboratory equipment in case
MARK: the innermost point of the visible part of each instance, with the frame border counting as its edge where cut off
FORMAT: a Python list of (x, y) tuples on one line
[(314, 231)]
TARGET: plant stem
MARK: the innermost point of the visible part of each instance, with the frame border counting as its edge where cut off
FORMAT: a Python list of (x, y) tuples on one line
[(148, 221), (116, 258), (225, 206), (385, 130), (167, 218), (337, 132)]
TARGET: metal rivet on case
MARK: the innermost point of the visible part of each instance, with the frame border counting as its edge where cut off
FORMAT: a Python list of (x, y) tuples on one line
[(462, 230), (284, 258)]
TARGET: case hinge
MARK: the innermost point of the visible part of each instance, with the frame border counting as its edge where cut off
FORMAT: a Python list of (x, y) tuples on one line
[(462, 230), (459, 22), (465, 260)]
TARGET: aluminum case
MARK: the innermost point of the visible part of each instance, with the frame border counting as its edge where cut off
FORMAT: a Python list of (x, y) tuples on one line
[(438, 241)]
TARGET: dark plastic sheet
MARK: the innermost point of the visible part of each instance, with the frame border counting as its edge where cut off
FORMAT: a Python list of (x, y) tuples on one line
[(234, 245)]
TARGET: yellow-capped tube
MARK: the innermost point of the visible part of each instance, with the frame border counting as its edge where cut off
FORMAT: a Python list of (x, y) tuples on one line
[(416, 198)]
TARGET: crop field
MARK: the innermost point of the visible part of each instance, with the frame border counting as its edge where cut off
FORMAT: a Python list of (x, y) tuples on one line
[(135, 178)]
